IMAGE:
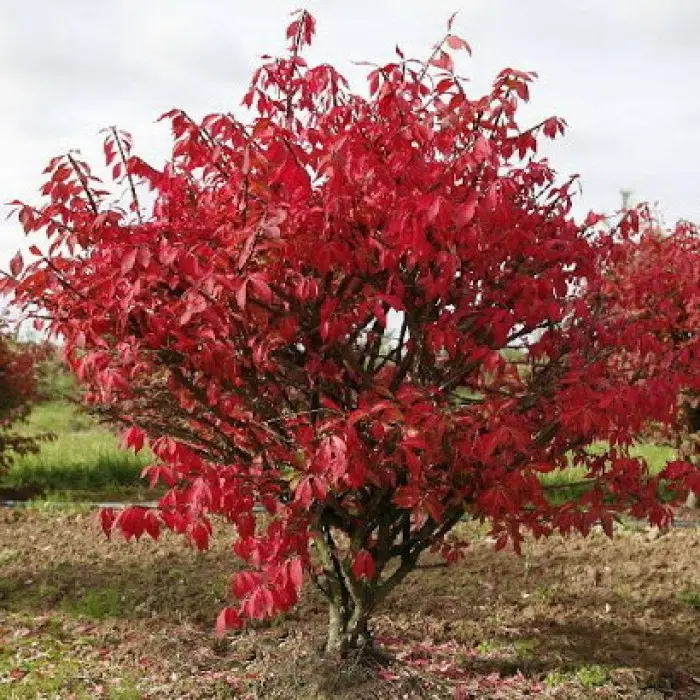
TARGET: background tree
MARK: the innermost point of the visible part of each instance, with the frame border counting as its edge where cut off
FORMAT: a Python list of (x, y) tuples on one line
[(659, 252), (664, 267), (240, 323), (18, 391)]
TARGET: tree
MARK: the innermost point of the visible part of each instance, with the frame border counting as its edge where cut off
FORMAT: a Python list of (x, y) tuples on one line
[(240, 325), (18, 391), (664, 268)]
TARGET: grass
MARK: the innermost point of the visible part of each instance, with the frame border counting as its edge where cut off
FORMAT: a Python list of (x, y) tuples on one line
[(84, 462), (588, 677), (47, 668), (97, 604), (690, 597), (567, 481)]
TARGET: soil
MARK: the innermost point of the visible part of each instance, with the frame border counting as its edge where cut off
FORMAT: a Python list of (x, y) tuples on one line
[(81, 617)]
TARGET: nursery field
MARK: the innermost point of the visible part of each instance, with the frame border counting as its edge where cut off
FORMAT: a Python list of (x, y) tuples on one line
[(81, 617)]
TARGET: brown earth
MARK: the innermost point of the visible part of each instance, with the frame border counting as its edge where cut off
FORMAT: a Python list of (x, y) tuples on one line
[(81, 617)]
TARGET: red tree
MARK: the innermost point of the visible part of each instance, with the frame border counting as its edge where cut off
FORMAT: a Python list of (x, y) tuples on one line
[(18, 391), (657, 281), (369, 316)]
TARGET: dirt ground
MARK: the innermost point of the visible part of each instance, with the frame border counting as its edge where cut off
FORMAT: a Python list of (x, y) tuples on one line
[(81, 617)]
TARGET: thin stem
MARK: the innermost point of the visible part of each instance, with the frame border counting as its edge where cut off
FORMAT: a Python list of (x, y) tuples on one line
[(129, 177)]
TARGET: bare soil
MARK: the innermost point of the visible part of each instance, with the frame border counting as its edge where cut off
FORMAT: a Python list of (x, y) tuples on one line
[(81, 617)]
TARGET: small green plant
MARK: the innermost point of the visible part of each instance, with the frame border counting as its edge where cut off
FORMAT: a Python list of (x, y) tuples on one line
[(487, 647), (8, 555), (588, 677), (556, 678), (591, 676), (690, 597), (125, 691), (47, 671), (525, 647)]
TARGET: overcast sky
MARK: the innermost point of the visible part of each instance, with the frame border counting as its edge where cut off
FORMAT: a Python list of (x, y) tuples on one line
[(623, 73)]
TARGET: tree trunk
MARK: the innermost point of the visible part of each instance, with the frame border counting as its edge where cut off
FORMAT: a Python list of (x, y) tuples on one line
[(687, 450), (347, 629)]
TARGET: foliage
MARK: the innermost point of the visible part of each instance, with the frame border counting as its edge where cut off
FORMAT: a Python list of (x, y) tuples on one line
[(661, 274), (18, 390), (665, 270), (239, 324)]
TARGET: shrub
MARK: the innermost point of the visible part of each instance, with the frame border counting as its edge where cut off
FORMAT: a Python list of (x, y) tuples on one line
[(370, 316), (18, 390)]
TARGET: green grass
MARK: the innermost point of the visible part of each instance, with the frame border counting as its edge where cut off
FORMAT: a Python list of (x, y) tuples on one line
[(588, 677), (85, 460), (567, 480), (690, 597), (97, 604), (592, 676), (46, 666)]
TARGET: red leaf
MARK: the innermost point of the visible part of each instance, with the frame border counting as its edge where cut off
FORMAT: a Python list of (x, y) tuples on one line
[(16, 265), (445, 85), (227, 619), (131, 522), (107, 518), (501, 542), (241, 295), (128, 261), (444, 61), (158, 472), (380, 315), (199, 534), (244, 582), (363, 567), (607, 523), (466, 213), (62, 173), (134, 438), (457, 43), (407, 496), (152, 524), (295, 570), (304, 492)]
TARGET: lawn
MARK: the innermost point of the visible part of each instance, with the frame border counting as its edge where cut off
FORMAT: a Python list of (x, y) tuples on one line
[(565, 484), (84, 462), (81, 617)]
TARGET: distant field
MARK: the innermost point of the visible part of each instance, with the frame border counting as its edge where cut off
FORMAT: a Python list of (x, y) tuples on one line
[(85, 460)]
